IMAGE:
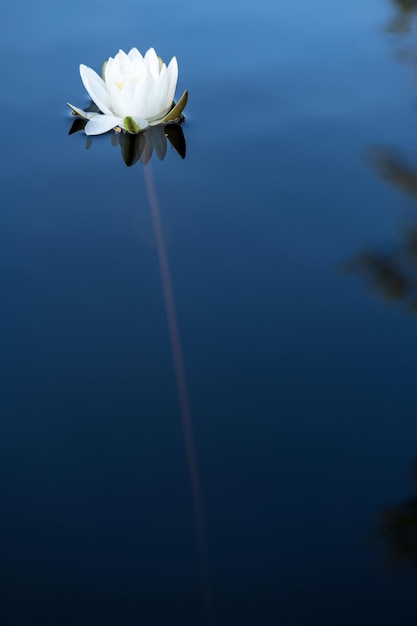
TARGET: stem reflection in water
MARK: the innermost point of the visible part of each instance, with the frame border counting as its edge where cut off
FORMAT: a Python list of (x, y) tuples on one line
[(182, 394)]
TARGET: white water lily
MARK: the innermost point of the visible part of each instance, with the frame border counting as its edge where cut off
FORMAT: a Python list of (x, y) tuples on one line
[(135, 92)]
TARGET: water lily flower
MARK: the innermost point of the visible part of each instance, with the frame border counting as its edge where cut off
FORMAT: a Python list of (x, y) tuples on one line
[(135, 92)]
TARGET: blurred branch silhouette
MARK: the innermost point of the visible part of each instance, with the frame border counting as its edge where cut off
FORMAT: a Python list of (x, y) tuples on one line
[(399, 530), (405, 12), (393, 167), (392, 273)]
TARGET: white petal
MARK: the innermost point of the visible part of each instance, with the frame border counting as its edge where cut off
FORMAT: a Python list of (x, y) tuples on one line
[(113, 74), (173, 77), (152, 62), (134, 53), (127, 94), (101, 124), (142, 93), (123, 61), (157, 120), (158, 96), (96, 88), (138, 68), (116, 100)]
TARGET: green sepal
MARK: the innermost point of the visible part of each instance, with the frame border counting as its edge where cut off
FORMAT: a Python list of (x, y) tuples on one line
[(86, 115), (131, 126), (175, 112)]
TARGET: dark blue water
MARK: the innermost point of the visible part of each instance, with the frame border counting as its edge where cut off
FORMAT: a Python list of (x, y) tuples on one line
[(263, 473)]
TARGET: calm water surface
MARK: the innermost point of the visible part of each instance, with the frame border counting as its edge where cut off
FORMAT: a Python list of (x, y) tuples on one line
[(290, 232)]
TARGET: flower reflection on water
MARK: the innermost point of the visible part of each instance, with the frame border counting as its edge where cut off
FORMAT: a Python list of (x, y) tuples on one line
[(141, 146)]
